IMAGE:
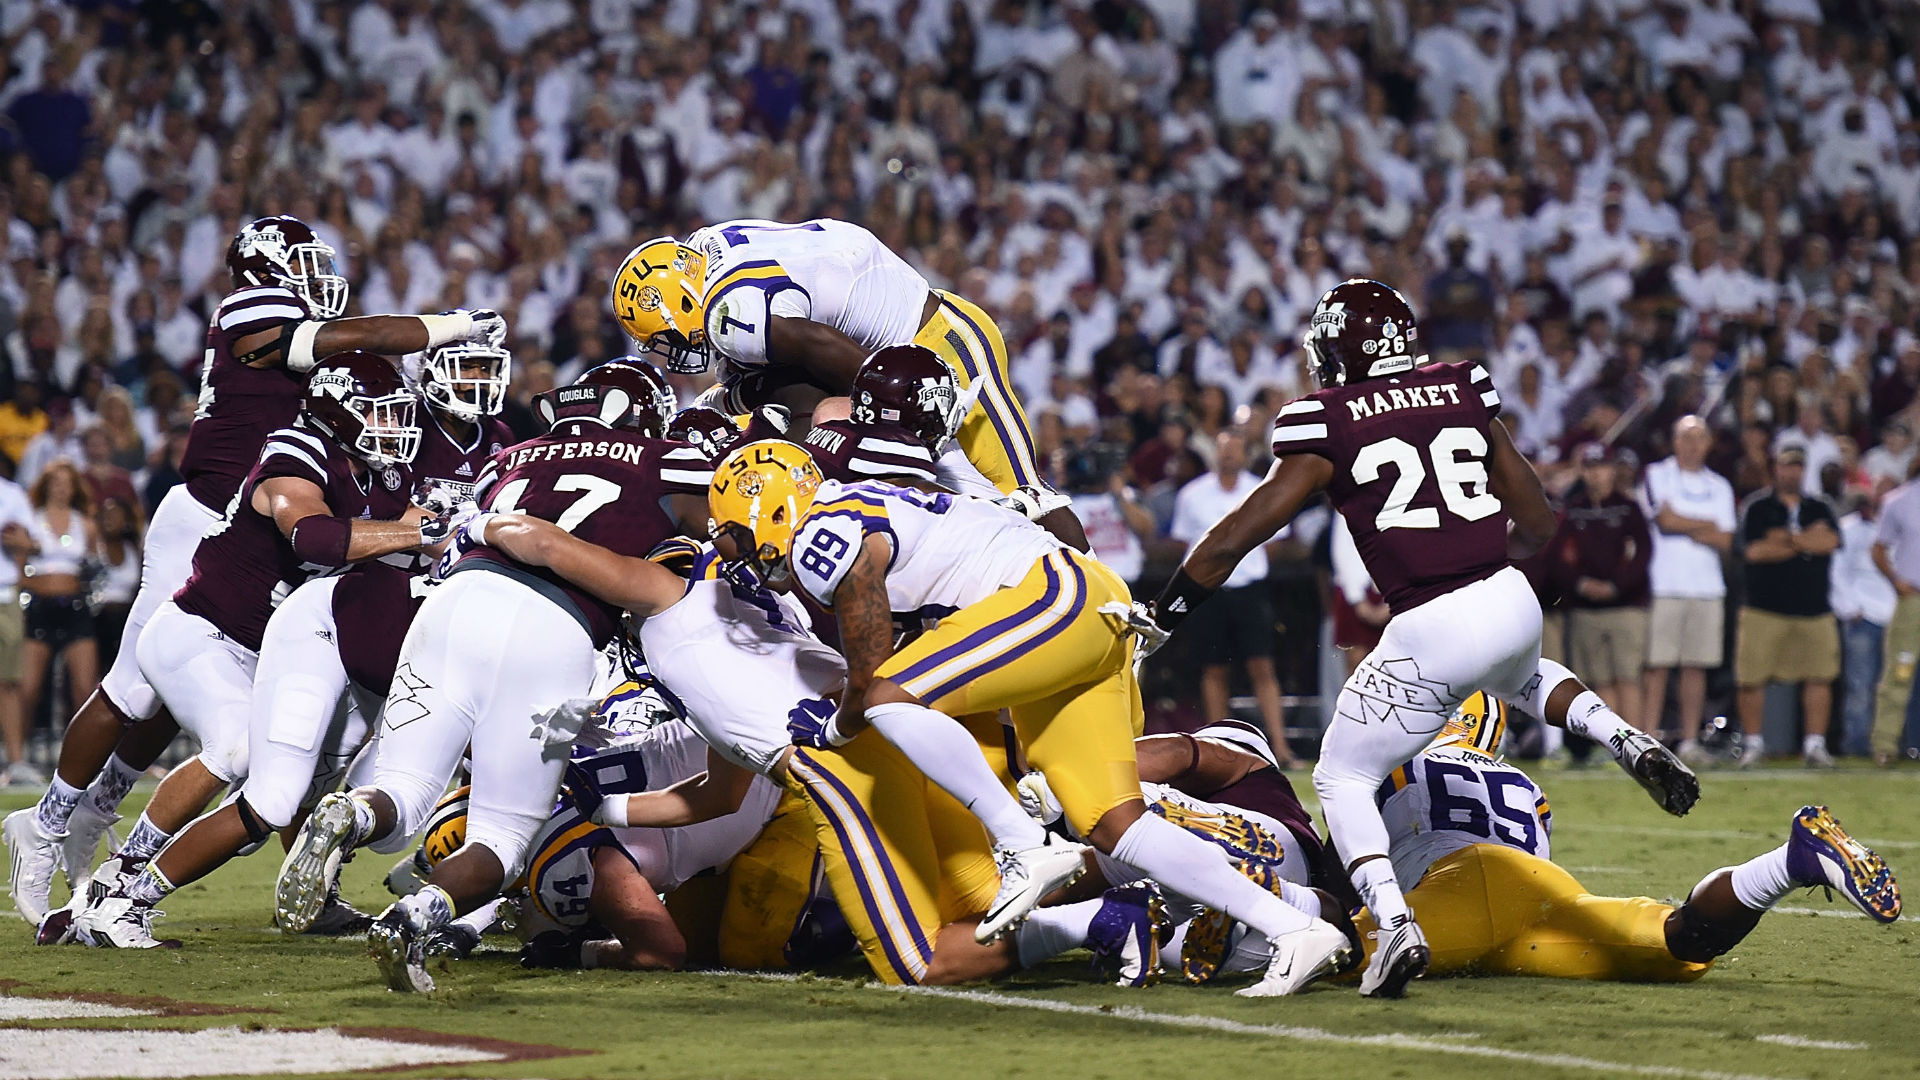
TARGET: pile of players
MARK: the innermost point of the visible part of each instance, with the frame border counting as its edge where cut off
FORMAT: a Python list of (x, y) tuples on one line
[(392, 597)]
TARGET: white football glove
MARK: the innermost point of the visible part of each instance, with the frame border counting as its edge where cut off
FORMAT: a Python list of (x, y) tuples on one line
[(556, 728), (1032, 501), (1036, 798), (489, 327), (1139, 621)]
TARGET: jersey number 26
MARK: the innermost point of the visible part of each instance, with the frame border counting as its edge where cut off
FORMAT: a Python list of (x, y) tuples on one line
[(1458, 456)]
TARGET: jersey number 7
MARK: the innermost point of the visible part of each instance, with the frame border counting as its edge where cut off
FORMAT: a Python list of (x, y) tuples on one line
[(594, 494)]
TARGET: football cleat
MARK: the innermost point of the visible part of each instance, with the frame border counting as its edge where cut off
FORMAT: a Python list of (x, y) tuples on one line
[(400, 949), (338, 918), (1301, 957), (35, 855), (1666, 777), (1025, 877), (56, 928), (117, 922), (456, 940), (116, 869), (1821, 853), (1400, 956), (1127, 932), (313, 864), (409, 875), (1210, 937), (84, 832)]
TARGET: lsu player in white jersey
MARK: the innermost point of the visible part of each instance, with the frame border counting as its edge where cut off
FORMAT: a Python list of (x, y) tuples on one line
[(788, 304), (911, 868), (1475, 833), (1018, 621)]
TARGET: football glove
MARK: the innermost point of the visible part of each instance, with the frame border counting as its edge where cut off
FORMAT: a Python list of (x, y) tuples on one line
[(813, 723), (1032, 501), (1036, 798), (463, 537), (489, 327), (584, 791), (1139, 621), (556, 728), (447, 515), (551, 949)]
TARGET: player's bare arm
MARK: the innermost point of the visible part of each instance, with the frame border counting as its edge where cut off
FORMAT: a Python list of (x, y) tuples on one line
[(866, 632), (299, 509), (828, 356), (1511, 478), (1195, 766), (644, 935), (296, 345), (715, 793), (639, 585)]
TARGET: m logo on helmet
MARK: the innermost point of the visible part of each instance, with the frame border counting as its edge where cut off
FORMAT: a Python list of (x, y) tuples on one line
[(936, 396), (336, 383), (1330, 320), (267, 240)]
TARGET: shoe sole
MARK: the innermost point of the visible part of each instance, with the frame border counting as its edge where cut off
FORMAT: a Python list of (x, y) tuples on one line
[(1407, 967), (29, 909), (1866, 872), (999, 921), (300, 892), (389, 949), (55, 929)]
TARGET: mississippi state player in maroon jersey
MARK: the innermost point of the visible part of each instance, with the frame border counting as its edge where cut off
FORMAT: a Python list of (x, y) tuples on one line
[(262, 341), (328, 491), (1439, 503), (498, 643), (338, 636)]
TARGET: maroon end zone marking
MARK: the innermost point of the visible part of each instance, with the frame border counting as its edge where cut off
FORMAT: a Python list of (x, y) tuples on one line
[(508, 1051), (159, 1006)]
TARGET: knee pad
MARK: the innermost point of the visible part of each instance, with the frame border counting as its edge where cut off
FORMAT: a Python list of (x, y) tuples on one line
[(258, 831)]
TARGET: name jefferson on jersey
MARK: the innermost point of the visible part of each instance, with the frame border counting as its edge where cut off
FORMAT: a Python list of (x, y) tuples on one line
[(1409, 458)]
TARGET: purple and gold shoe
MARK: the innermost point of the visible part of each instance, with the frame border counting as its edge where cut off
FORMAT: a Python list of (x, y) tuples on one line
[(1820, 853), (1127, 932)]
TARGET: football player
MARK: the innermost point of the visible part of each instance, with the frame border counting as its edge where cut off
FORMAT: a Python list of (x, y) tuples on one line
[(1472, 833), (793, 309), (498, 642), (262, 341), (329, 491), (912, 867), (327, 655), (1440, 504), (1025, 624)]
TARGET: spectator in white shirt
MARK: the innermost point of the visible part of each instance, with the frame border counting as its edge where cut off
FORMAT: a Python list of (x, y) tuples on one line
[(1691, 510), (1193, 348), (1863, 600), (1892, 460), (1602, 264), (1256, 74), (16, 515), (1236, 623)]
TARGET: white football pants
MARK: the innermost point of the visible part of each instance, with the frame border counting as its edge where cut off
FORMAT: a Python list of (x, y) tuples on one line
[(205, 679), (484, 656), (165, 563)]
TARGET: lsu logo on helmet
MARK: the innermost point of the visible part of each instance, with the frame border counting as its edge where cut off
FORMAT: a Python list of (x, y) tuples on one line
[(1480, 723)]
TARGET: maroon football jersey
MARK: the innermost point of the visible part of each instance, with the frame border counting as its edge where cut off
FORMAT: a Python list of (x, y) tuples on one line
[(376, 601), (1409, 458), (239, 405), (846, 451), (244, 566), (605, 486)]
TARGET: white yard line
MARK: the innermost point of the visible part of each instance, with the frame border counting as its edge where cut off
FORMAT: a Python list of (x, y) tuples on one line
[(1716, 834), (1455, 1043), (1810, 1044), (1831, 913)]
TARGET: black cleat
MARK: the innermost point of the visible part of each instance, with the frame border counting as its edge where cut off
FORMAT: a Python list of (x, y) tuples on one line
[(1666, 777)]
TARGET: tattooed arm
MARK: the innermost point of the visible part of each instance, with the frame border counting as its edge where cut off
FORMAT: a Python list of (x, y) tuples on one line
[(866, 628)]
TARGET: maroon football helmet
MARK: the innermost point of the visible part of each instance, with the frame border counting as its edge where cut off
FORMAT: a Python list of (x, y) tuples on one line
[(707, 429), (627, 393), (909, 386), (285, 251), (1360, 330), (359, 399)]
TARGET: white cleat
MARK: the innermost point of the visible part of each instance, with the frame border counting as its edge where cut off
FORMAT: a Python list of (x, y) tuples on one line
[(1025, 877), (311, 867), (35, 856), (115, 922), (1301, 957), (84, 832), (1400, 956)]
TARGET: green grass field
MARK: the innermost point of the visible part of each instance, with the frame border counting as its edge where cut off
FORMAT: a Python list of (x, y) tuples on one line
[(1813, 993)]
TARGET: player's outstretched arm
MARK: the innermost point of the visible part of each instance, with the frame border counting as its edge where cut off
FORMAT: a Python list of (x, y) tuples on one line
[(1511, 478), (297, 346), (865, 618), (1275, 500), (299, 509), (1196, 766), (713, 794), (640, 586), (828, 356)]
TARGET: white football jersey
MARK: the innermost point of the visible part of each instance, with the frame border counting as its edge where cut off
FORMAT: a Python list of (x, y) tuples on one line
[(824, 270), (661, 758), (736, 663), (949, 551), (1451, 797)]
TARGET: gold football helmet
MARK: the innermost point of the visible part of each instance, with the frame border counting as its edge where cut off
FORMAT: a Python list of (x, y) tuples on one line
[(657, 298), (757, 498), (1480, 723)]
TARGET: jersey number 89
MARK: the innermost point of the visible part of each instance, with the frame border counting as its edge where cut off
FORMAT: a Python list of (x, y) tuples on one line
[(821, 558)]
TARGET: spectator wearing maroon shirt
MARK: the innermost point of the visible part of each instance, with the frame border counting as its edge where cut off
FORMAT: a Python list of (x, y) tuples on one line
[(1600, 559)]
